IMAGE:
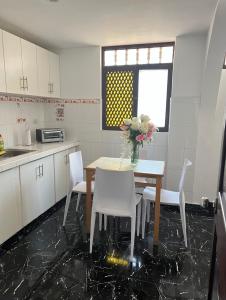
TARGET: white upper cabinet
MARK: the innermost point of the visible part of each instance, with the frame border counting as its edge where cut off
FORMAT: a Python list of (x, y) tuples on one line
[(2, 66), (54, 74), (26, 68), (29, 63), (48, 73), (43, 72), (13, 63)]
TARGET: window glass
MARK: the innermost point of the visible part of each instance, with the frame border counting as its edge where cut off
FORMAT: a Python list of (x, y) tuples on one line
[(120, 57), (143, 55), (152, 95), (131, 56), (109, 58), (167, 54), (154, 55)]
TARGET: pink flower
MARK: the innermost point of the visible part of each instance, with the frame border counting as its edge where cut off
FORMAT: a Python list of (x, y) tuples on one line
[(149, 135), (140, 138)]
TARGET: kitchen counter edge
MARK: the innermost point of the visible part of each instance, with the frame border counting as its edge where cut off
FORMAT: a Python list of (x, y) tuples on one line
[(39, 151)]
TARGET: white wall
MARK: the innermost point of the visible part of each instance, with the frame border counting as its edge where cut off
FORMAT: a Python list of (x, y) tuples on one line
[(80, 72), (211, 115), (185, 101), (10, 111)]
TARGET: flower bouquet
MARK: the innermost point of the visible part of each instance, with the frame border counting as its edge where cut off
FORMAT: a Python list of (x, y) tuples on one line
[(136, 131)]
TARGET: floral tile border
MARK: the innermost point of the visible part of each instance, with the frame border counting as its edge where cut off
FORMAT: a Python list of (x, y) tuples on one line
[(27, 99)]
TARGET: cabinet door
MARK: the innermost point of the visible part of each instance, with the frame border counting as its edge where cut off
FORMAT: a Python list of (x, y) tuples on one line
[(2, 66), (13, 63), (37, 188), (10, 204), (61, 174), (54, 73), (30, 73), (43, 72)]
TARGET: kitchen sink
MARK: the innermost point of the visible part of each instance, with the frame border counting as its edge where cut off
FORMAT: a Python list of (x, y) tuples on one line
[(14, 152)]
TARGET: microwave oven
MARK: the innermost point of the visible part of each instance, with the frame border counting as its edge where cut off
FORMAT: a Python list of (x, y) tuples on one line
[(49, 135)]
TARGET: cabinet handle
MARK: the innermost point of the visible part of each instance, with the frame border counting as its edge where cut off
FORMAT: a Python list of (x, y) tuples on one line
[(37, 172), (42, 170), (52, 88), (22, 83), (26, 85)]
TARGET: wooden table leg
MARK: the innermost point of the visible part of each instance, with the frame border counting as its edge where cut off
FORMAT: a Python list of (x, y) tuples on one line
[(89, 175), (157, 210)]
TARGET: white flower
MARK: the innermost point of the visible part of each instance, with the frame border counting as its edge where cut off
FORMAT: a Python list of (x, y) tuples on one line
[(144, 118), (144, 127), (135, 125), (127, 122)]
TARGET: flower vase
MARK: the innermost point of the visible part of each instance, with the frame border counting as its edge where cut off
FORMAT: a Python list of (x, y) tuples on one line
[(134, 153)]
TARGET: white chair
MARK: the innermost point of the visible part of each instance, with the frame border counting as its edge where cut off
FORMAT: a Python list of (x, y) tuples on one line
[(170, 198), (114, 195), (76, 184)]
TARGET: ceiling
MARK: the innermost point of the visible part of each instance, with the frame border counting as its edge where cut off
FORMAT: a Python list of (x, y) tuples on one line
[(71, 23)]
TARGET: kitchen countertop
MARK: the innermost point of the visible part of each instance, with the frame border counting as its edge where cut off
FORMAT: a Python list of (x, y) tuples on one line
[(39, 151)]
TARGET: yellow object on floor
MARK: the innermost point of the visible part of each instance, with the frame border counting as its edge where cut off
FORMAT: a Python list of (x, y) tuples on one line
[(2, 152)]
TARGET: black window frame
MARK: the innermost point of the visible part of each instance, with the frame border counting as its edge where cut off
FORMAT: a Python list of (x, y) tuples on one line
[(136, 68)]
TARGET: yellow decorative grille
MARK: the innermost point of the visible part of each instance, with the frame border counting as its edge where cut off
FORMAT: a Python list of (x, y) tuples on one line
[(119, 97)]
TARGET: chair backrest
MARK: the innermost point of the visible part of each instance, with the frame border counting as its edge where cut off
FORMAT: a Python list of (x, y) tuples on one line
[(76, 168), (114, 190), (187, 163)]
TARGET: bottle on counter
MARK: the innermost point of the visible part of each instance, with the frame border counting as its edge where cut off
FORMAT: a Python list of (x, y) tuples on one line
[(1, 143), (27, 136)]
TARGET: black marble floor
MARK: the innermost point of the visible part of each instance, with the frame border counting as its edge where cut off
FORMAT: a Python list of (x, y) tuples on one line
[(52, 263)]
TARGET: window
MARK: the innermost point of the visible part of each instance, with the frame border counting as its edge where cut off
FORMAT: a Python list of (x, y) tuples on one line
[(136, 80)]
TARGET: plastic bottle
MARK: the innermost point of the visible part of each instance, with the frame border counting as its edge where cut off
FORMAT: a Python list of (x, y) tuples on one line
[(28, 136)]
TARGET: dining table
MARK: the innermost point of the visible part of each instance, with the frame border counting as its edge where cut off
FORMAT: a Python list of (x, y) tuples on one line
[(149, 169)]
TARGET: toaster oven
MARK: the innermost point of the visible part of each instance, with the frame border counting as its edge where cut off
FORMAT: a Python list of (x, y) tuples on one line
[(49, 135)]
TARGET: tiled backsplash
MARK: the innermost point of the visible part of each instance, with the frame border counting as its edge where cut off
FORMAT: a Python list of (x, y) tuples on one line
[(31, 110)]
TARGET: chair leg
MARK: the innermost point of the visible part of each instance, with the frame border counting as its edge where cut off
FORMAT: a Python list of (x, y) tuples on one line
[(92, 227), (78, 200), (183, 221), (138, 218), (148, 211), (68, 200), (133, 225), (105, 222), (144, 207), (100, 221)]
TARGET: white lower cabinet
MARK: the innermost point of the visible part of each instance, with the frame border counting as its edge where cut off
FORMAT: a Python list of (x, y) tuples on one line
[(37, 188), (10, 204), (61, 163)]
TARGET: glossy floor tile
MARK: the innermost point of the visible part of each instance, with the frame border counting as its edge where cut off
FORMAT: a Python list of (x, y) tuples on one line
[(52, 262)]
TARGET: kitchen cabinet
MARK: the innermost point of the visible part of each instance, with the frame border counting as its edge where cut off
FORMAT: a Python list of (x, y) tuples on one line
[(26, 68), (29, 64), (43, 72), (48, 73), (37, 188), (13, 63), (54, 75), (10, 204), (61, 163), (2, 66)]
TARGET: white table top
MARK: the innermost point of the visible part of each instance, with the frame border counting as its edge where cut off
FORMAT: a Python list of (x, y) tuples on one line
[(142, 167)]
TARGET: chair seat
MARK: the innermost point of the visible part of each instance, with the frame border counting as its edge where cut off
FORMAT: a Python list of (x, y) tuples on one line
[(116, 212), (140, 179), (167, 197), (81, 187)]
